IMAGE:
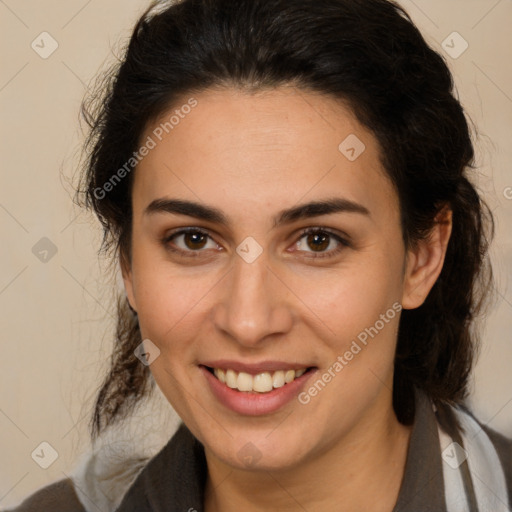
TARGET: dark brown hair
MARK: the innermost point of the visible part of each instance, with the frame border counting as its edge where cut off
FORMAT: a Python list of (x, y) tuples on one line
[(367, 53)]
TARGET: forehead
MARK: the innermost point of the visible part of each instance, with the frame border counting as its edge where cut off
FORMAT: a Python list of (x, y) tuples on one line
[(276, 146)]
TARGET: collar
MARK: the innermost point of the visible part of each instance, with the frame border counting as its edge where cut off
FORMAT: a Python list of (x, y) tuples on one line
[(422, 488)]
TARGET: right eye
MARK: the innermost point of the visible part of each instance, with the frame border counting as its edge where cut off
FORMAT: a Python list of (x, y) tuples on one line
[(188, 242)]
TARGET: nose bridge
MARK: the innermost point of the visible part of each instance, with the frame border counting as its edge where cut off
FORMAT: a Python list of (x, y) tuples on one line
[(253, 305)]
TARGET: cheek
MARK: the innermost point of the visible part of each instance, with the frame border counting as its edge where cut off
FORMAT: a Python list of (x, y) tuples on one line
[(350, 299), (361, 309), (169, 299), (164, 303)]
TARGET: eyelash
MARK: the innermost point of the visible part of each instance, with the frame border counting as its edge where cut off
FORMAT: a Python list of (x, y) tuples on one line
[(343, 243)]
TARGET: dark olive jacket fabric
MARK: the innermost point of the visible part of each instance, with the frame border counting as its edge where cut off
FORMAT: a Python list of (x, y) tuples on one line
[(57, 497), (174, 479)]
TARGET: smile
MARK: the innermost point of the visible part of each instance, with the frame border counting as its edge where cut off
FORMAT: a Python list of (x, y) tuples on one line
[(255, 389)]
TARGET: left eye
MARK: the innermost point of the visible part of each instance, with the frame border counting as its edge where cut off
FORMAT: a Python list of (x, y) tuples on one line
[(320, 240)]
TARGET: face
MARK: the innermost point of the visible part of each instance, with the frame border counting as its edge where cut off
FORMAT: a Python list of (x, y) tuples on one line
[(259, 284)]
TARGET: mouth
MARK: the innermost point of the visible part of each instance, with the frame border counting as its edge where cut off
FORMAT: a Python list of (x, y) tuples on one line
[(261, 383), (258, 389)]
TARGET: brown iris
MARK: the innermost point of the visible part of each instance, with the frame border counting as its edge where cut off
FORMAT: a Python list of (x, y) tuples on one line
[(197, 240), (319, 241)]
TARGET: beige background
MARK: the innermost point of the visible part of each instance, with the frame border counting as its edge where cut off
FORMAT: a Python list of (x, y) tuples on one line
[(55, 316)]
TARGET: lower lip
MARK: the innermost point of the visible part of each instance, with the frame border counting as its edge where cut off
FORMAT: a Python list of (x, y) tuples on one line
[(253, 403)]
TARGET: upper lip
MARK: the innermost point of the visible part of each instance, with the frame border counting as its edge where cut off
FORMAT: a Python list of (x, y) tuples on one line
[(254, 368)]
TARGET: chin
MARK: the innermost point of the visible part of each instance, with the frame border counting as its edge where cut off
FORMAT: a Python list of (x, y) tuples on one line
[(261, 451)]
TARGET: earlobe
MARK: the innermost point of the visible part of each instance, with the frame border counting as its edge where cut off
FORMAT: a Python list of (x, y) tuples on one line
[(425, 261)]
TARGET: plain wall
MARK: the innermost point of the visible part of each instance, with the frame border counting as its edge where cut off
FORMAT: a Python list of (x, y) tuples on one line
[(56, 316)]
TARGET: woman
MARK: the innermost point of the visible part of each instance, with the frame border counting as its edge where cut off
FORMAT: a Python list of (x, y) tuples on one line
[(286, 186)]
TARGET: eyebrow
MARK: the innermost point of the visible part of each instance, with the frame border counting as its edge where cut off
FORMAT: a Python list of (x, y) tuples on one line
[(212, 214)]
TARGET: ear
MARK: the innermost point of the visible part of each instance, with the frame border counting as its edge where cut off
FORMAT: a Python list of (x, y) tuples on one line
[(126, 272), (425, 261)]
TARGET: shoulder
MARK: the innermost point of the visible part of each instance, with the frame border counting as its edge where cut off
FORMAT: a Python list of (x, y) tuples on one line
[(489, 457), (176, 475), (472, 462), (487, 438), (503, 447), (57, 497)]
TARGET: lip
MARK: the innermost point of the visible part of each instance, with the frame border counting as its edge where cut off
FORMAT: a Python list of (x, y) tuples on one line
[(255, 368), (253, 403)]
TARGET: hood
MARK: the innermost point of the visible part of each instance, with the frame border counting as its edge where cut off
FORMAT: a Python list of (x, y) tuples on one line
[(104, 473)]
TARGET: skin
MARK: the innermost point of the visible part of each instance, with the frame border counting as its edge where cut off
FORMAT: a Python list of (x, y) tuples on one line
[(251, 156)]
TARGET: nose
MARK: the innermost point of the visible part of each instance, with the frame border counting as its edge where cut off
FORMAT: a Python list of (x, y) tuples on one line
[(255, 303)]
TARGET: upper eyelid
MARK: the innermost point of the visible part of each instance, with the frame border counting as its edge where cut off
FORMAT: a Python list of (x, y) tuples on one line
[(184, 231)]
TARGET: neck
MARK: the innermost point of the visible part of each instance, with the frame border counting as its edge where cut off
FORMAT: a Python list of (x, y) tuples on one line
[(362, 471)]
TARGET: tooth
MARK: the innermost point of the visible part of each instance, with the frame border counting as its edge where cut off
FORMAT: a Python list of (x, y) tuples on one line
[(231, 379), (278, 379), (220, 374), (262, 382), (298, 373), (289, 376), (244, 382)]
